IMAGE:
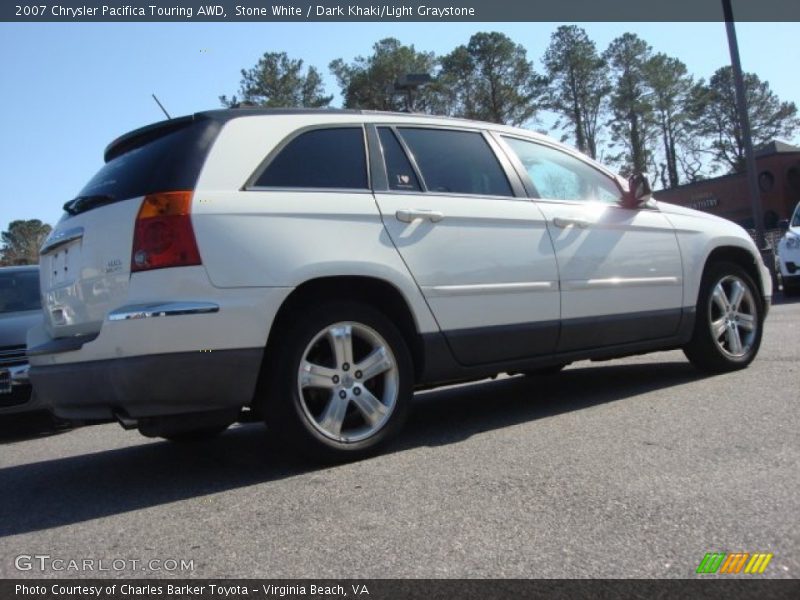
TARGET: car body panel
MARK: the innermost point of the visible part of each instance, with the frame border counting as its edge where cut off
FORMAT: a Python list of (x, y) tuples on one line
[(87, 277), (243, 320), (699, 234), (14, 326), (258, 226)]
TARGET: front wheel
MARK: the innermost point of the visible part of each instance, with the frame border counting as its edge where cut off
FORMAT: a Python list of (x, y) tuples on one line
[(341, 385), (729, 320)]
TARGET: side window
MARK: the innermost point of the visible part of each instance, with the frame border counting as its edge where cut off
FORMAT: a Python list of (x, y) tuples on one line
[(398, 168), (456, 162), (322, 158), (559, 176)]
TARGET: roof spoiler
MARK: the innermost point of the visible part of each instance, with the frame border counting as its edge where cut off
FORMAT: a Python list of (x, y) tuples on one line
[(143, 135)]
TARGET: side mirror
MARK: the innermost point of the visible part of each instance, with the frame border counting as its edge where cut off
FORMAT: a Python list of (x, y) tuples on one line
[(783, 225), (638, 191)]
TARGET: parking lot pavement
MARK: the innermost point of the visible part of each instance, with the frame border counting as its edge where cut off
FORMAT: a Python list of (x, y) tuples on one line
[(629, 468)]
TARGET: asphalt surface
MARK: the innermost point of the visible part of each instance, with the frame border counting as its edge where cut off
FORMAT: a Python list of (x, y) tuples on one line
[(629, 468)]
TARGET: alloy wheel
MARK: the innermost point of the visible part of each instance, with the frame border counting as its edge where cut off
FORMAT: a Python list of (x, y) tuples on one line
[(733, 316), (348, 382)]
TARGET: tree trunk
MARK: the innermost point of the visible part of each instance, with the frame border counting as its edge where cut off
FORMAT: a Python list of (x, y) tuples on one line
[(637, 154)]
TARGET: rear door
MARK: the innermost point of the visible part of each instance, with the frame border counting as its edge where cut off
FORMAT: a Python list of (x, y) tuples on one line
[(620, 269), (479, 251)]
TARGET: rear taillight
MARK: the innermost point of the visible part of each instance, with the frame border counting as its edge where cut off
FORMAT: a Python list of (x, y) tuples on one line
[(163, 236)]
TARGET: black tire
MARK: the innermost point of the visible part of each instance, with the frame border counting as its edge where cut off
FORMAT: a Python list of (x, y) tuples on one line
[(703, 350), (196, 435), (288, 411)]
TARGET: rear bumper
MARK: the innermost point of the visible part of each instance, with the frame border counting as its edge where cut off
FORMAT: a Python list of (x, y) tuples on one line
[(151, 385)]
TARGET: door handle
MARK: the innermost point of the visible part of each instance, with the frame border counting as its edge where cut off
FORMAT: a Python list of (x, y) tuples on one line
[(409, 215), (564, 222)]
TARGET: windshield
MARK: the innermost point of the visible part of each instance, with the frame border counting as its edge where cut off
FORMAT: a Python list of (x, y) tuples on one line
[(796, 217), (19, 291)]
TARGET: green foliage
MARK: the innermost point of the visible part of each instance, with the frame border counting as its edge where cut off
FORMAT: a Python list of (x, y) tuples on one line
[(368, 82), (716, 117), (491, 79), (671, 91), (630, 107), (279, 81), (21, 242), (631, 111), (578, 84)]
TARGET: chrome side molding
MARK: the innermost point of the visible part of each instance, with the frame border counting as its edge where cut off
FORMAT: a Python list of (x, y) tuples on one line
[(60, 239), (162, 309)]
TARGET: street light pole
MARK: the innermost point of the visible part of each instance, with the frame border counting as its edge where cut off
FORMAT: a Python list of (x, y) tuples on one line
[(408, 84), (744, 123)]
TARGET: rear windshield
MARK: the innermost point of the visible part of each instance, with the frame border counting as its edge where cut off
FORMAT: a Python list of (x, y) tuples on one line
[(165, 162), (19, 290)]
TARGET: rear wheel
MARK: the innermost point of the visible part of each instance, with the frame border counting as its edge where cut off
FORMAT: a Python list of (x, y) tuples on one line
[(729, 320), (341, 382)]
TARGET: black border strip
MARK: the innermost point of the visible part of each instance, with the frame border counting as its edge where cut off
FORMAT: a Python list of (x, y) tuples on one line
[(394, 11), (734, 588)]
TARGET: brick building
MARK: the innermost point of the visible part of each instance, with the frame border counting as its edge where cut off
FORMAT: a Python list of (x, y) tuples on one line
[(778, 166)]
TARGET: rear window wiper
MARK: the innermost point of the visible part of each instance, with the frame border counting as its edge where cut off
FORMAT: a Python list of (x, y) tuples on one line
[(84, 203)]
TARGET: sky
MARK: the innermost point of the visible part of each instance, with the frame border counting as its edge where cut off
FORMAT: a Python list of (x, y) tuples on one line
[(71, 88)]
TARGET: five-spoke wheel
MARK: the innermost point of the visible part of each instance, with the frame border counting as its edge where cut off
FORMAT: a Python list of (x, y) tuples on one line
[(729, 320), (341, 384), (733, 315), (348, 381)]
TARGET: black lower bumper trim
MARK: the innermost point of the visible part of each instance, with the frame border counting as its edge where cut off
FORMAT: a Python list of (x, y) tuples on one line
[(152, 385), (65, 344)]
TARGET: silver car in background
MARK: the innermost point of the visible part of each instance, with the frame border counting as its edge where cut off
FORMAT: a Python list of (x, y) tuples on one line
[(20, 309)]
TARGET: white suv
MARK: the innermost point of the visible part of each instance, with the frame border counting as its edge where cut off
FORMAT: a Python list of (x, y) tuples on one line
[(318, 265), (789, 255)]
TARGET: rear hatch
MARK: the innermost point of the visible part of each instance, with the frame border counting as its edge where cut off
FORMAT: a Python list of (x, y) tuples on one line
[(86, 261)]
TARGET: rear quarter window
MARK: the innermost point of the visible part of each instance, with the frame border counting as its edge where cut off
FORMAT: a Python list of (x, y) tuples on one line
[(331, 158)]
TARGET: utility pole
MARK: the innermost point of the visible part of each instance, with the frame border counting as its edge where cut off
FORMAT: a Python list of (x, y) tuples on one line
[(744, 123)]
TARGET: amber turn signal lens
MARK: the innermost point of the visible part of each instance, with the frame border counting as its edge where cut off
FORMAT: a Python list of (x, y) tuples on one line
[(163, 235)]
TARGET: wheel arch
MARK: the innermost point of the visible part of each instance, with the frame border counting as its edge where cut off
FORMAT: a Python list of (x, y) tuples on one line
[(739, 256), (376, 292)]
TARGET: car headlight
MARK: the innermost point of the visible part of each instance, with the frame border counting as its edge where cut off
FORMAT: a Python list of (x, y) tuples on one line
[(792, 242)]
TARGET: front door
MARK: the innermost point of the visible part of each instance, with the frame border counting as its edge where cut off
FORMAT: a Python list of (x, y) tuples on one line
[(620, 269)]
